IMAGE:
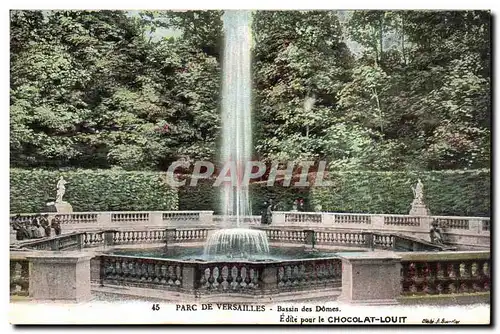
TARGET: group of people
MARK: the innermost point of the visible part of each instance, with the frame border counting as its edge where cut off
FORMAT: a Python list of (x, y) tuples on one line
[(269, 206), (37, 227), (298, 205)]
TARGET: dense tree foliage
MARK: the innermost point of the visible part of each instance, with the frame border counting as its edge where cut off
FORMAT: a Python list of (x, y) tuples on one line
[(370, 90)]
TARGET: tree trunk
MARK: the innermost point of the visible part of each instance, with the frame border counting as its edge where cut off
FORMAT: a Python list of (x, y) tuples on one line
[(379, 109)]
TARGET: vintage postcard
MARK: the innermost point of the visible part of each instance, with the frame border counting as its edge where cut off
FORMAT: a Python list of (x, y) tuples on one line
[(290, 167)]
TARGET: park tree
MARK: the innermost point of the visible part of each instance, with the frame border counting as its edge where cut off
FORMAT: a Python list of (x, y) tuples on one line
[(365, 90), (301, 63)]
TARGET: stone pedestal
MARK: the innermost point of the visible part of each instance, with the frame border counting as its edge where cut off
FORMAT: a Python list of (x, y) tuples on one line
[(60, 207), (370, 278), (419, 210), (310, 240), (60, 276), (109, 237), (269, 278), (188, 277)]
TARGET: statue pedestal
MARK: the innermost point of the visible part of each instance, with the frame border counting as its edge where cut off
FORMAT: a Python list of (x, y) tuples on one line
[(60, 207), (61, 277), (419, 210), (370, 278)]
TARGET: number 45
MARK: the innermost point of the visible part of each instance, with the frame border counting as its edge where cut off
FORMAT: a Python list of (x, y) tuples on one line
[(155, 307)]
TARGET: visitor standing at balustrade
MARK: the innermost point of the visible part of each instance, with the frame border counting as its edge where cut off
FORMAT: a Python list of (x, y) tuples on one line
[(56, 225), (44, 222), (40, 228), (301, 207), (17, 225), (34, 228), (263, 214), (269, 213)]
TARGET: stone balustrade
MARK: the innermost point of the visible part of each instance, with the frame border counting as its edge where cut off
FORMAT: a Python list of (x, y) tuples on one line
[(340, 238), (223, 277), (422, 273), (138, 237), (89, 239), (349, 238), (143, 272), (242, 277), (445, 273), (470, 231), (186, 235), (221, 220), (398, 220), (302, 217), (285, 236), (79, 221), (71, 241), (296, 275)]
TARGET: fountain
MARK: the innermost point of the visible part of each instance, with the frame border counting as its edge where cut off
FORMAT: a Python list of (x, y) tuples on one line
[(236, 242)]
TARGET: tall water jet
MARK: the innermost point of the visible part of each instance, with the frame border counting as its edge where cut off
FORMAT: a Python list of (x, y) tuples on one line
[(236, 149), (236, 110)]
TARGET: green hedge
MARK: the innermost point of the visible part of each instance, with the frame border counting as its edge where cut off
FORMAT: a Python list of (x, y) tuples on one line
[(206, 197), (91, 190), (464, 193), (457, 193)]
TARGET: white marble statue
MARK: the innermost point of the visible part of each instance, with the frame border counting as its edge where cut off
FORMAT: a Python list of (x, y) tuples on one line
[(61, 189), (418, 192)]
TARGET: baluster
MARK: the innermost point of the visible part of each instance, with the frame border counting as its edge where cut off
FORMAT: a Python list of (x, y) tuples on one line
[(144, 271), (288, 276), (163, 273), (281, 277), (170, 276), (155, 273), (224, 275), (244, 277), (204, 283), (178, 275), (234, 276), (214, 277), (295, 275)]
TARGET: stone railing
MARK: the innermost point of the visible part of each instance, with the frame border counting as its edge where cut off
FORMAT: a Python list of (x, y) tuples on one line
[(138, 237), (221, 220), (187, 235), (471, 231), (452, 223), (352, 219), (422, 273), (348, 238), (223, 277), (71, 241), (310, 273), (401, 220), (301, 217), (445, 273), (89, 239), (342, 238), (285, 236), (93, 239), (240, 277), (126, 219), (143, 272)]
